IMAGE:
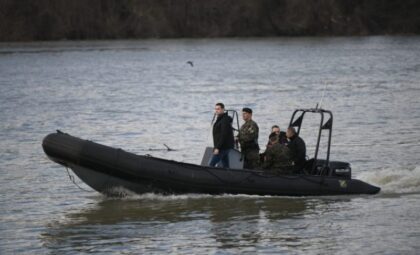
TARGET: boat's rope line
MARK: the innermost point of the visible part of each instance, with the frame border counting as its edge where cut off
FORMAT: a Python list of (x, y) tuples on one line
[(266, 176), (218, 177), (72, 179), (289, 177), (261, 175), (227, 182)]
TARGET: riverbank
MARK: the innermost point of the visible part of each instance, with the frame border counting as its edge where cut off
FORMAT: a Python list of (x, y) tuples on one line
[(128, 19)]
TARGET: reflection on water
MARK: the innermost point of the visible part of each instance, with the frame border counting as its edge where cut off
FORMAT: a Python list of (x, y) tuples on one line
[(230, 222), (233, 224)]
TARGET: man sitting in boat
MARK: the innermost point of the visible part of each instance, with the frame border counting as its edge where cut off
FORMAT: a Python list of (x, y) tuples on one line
[(282, 140), (248, 139), (297, 149), (222, 137), (281, 134), (277, 156)]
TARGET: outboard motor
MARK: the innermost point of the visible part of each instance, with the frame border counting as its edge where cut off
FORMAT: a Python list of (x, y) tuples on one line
[(341, 169)]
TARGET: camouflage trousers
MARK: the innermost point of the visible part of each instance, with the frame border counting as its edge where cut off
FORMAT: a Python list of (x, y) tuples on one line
[(251, 159)]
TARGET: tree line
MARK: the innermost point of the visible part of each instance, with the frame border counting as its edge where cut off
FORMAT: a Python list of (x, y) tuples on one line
[(27, 20)]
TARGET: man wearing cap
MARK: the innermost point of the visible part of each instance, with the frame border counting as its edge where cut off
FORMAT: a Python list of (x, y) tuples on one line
[(248, 139)]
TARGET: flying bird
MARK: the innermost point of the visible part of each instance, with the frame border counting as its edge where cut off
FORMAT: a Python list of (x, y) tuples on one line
[(190, 63)]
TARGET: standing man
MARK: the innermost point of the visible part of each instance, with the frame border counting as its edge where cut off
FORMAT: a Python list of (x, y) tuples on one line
[(222, 137), (297, 149), (248, 139)]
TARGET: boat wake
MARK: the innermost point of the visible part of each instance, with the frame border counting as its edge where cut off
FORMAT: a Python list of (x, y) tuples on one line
[(125, 194), (394, 181), (122, 193)]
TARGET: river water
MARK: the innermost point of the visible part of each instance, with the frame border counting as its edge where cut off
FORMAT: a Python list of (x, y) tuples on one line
[(141, 94)]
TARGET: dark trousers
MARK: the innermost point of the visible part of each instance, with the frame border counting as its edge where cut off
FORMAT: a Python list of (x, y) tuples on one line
[(223, 157)]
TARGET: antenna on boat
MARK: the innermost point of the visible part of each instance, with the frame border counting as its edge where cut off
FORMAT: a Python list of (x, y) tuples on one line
[(322, 97)]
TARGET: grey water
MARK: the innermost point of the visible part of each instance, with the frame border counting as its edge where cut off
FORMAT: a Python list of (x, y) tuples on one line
[(141, 94)]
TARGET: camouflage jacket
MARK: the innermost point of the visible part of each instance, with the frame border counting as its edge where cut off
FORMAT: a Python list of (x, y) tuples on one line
[(277, 157), (248, 136)]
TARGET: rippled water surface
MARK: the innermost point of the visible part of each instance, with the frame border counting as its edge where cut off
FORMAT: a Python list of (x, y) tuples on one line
[(139, 95)]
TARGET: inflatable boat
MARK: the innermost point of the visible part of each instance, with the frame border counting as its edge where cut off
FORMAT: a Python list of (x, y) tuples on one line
[(108, 169)]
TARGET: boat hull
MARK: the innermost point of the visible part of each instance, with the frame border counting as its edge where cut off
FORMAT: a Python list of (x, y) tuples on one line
[(108, 169)]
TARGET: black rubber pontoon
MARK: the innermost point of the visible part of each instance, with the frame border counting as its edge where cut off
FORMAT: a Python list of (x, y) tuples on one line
[(107, 169)]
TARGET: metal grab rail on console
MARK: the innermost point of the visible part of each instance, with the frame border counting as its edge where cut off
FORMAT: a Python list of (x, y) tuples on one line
[(327, 125)]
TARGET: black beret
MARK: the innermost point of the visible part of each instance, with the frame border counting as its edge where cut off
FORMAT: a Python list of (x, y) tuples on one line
[(246, 109)]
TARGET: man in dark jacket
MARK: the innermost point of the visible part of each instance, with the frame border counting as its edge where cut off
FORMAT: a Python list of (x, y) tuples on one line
[(222, 137), (297, 149)]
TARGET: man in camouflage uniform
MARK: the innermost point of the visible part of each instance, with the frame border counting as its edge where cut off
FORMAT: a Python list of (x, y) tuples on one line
[(277, 157), (248, 139)]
